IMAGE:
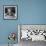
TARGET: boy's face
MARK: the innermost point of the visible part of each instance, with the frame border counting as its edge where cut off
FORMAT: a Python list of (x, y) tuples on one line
[(9, 10)]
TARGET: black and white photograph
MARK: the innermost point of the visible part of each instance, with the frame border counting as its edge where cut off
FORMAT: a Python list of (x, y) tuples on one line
[(31, 35), (10, 12)]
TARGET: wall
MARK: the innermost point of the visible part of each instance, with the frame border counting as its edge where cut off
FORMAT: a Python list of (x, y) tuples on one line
[(29, 12), (7, 26), (33, 12)]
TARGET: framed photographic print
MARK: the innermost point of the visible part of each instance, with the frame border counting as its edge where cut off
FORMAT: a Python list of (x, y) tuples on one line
[(32, 32), (10, 12)]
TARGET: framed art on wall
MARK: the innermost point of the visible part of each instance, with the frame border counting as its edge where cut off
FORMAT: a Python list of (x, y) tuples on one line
[(32, 32), (10, 12)]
